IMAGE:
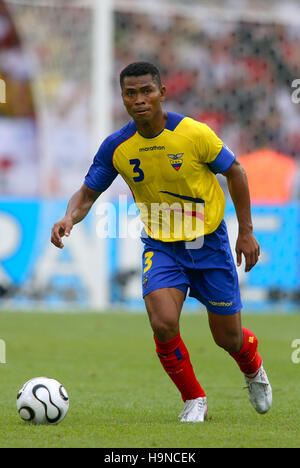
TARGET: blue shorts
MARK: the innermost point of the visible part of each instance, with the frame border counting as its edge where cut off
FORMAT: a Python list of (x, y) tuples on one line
[(208, 271)]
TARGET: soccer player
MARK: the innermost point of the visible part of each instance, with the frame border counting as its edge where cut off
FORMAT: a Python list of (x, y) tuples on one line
[(169, 162)]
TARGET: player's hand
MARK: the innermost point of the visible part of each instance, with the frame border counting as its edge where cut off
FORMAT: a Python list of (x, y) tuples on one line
[(60, 229), (248, 246)]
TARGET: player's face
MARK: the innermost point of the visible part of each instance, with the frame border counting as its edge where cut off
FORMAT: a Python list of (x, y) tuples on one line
[(142, 97)]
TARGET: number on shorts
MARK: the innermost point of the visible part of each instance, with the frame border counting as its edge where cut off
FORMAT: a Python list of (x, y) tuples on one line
[(148, 261)]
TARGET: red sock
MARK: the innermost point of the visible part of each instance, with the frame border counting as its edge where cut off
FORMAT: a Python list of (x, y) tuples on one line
[(248, 358), (176, 361)]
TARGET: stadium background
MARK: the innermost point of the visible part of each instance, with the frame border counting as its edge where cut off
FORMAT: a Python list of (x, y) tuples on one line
[(231, 64)]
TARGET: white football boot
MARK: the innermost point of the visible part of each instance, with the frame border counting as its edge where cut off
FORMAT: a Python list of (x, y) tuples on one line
[(259, 391), (194, 410)]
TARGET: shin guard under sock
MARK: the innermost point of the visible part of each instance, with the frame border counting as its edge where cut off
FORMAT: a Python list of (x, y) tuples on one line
[(175, 359), (247, 357)]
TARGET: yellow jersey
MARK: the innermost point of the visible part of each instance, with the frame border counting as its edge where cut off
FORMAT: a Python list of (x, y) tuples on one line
[(171, 176)]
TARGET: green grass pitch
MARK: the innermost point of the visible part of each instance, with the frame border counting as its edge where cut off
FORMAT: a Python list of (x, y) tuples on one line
[(119, 394)]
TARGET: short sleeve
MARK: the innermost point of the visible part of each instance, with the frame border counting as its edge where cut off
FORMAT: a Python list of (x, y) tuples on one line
[(102, 172), (213, 151), (209, 144), (223, 161)]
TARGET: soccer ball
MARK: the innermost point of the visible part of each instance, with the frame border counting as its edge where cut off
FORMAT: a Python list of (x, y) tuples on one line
[(42, 401)]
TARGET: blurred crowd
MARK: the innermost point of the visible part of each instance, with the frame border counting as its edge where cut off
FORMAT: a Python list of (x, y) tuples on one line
[(237, 77), (45, 134), (18, 151)]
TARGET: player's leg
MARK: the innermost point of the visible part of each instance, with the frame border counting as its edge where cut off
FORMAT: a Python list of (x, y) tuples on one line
[(242, 344), (218, 290), (215, 283), (238, 341), (164, 289), (164, 309)]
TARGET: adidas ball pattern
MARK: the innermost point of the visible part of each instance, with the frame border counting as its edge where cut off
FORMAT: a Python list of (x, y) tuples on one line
[(43, 401)]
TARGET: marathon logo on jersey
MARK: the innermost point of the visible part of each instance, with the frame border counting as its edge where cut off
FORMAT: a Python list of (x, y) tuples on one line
[(152, 148), (176, 160)]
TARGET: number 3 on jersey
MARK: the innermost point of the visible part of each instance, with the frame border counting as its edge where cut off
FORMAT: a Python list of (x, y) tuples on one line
[(148, 261), (136, 169)]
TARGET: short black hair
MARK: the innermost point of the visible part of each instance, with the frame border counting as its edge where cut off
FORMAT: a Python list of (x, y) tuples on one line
[(140, 69)]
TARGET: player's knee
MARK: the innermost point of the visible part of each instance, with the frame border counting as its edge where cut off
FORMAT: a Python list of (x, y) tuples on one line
[(164, 330)]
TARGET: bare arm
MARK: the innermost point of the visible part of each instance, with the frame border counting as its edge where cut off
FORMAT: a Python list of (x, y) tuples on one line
[(246, 244), (78, 207)]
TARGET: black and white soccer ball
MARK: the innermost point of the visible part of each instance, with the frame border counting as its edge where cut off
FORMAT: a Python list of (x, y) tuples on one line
[(42, 401)]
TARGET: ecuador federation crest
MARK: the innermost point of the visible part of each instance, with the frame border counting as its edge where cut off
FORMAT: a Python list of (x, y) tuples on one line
[(176, 160)]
